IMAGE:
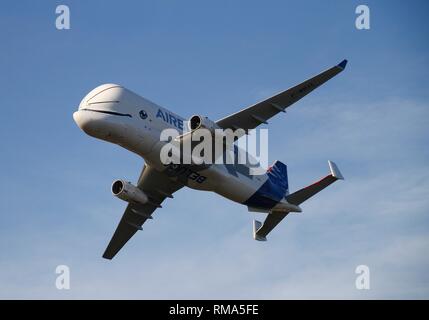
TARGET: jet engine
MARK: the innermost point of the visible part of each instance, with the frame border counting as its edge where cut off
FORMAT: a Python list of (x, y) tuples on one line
[(198, 122), (128, 192)]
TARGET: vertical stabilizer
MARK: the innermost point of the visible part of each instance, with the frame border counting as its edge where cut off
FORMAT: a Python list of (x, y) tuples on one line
[(277, 173)]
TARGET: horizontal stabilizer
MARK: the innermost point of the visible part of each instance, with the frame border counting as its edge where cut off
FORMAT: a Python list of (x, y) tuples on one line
[(304, 194), (260, 231)]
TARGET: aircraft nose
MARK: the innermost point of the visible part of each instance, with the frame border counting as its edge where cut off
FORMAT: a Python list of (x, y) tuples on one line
[(104, 96), (85, 121), (80, 120)]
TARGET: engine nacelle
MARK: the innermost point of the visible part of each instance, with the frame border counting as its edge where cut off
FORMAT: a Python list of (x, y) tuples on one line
[(128, 192), (198, 122)]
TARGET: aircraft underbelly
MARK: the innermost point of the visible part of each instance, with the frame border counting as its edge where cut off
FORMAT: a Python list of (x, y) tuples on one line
[(235, 188)]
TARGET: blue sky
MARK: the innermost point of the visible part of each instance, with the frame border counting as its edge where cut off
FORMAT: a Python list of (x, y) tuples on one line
[(214, 58)]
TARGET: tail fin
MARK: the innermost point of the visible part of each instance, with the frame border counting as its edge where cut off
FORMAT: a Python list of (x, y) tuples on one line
[(260, 231), (278, 175)]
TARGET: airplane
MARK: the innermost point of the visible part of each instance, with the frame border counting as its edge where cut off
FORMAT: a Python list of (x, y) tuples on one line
[(115, 114)]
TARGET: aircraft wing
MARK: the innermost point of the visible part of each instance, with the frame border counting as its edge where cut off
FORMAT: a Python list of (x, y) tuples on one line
[(253, 116), (158, 187)]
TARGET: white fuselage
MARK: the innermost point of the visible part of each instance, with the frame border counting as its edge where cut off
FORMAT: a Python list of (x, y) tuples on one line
[(112, 113)]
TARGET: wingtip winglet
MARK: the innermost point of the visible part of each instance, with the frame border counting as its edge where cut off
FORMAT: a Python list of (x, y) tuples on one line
[(335, 172), (256, 226), (342, 64)]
